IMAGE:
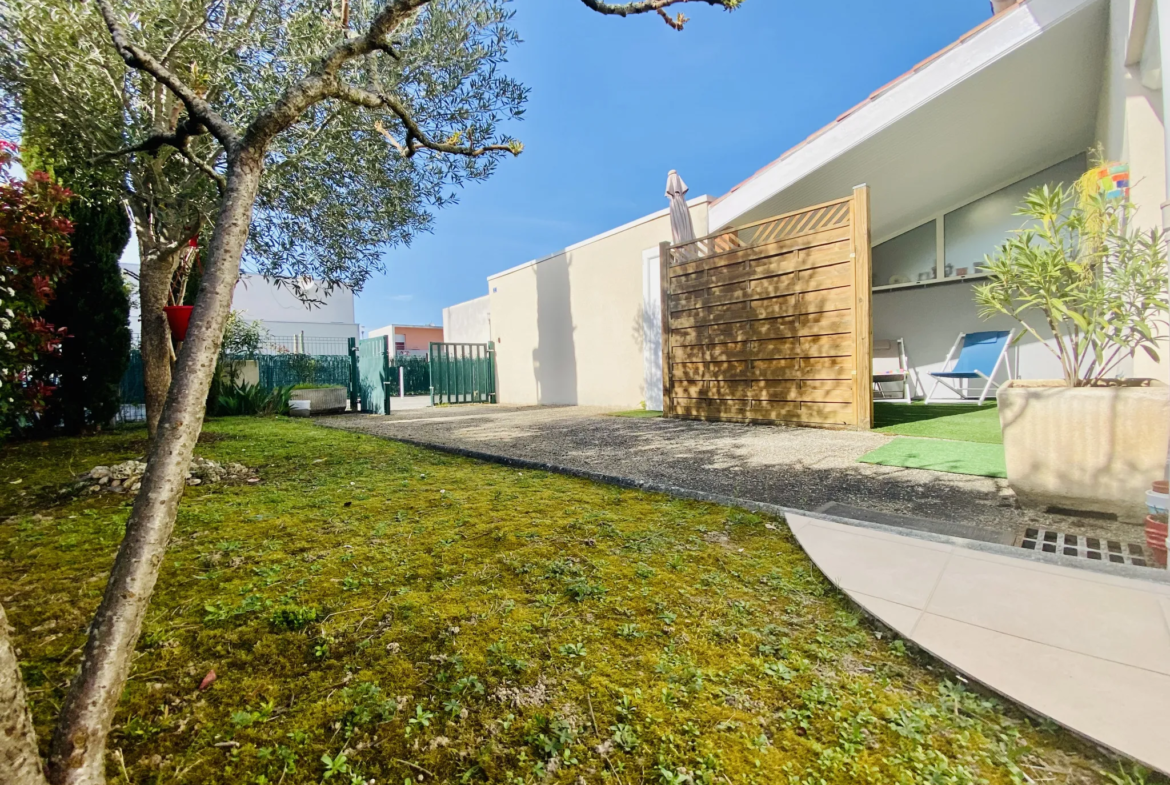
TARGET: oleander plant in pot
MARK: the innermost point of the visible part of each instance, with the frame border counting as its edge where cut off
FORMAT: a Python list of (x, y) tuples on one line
[(1092, 289)]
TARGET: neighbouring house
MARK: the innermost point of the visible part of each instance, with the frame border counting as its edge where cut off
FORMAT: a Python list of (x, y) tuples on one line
[(410, 339), (948, 150), (321, 327), (469, 322)]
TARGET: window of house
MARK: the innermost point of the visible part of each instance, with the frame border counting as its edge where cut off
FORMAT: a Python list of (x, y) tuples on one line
[(911, 257), (979, 228), (968, 233)]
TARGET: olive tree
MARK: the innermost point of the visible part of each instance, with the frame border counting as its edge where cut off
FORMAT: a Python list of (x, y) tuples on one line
[(418, 82), (334, 190)]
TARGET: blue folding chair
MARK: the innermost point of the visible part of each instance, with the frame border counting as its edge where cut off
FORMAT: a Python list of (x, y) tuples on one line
[(980, 356)]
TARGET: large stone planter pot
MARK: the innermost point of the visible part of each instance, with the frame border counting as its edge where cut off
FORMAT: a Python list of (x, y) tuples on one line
[(322, 400), (1095, 449)]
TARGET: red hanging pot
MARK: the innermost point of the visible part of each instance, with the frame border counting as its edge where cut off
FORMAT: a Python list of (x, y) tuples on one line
[(178, 317)]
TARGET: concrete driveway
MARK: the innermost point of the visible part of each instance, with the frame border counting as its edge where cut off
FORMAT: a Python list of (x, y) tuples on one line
[(800, 468)]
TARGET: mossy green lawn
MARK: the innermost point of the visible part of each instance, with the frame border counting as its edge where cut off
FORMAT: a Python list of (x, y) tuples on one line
[(376, 611)]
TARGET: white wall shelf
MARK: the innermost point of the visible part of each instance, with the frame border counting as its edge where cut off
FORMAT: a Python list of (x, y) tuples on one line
[(931, 282)]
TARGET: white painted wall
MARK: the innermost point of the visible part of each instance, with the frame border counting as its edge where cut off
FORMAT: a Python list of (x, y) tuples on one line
[(255, 298), (652, 329), (310, 329), (569, 327), (468, 322), (130, 275), (930, 318), (1130, 127), (280, 312)]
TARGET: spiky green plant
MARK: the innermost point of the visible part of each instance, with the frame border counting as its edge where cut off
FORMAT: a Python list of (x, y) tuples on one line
[(1098, 286)]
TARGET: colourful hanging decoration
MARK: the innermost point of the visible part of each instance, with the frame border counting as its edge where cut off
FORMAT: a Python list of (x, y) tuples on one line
[(1113, 181)]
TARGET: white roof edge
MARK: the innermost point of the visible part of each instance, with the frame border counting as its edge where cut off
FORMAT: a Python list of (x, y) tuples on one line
[(1014, 29), (419, 326), (465, 302), (698, 200)]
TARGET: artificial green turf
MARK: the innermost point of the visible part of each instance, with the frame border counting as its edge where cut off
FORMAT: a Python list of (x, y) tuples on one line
[(961, 422), (984, 460), (637, 413), (376, 611)]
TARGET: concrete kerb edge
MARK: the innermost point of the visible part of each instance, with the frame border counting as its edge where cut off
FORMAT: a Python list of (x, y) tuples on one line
[(776, 509)]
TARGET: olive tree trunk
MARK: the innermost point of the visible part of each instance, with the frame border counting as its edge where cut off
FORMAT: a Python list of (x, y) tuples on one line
[(154, 285), (77, 754), (20, 762)]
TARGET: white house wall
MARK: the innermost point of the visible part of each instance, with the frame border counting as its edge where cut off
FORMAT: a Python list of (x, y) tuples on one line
[(278, 310), (310, 329), (930, 319), (1130, 128), (258, 299), (568, 328), (468, 322)]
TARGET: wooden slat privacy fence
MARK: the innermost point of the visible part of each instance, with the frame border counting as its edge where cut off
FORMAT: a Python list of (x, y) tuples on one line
[(771, 322)]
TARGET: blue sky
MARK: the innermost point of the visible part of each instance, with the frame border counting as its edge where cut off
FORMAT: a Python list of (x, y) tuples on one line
[(617, 103)]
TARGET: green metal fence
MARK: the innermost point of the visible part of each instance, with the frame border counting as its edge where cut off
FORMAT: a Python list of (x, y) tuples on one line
[(305, 344), (283, 370), (133, 385), (368, 371), (415, 374), (274, 370), (463, 373)]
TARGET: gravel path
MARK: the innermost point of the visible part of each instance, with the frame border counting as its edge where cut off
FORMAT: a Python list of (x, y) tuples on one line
[(802, 468)]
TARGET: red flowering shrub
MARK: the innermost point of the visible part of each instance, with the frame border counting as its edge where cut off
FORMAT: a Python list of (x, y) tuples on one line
[(34, 255)]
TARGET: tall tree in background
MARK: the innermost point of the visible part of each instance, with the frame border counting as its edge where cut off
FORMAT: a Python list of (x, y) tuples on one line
[(92, 300), (419, 78), (75, 101)]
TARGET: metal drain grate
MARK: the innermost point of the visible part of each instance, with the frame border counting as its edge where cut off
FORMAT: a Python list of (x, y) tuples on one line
[(1085, 547)]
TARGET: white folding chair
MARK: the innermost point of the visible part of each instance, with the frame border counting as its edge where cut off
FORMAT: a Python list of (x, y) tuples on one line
[(980, 357), (891, 365)]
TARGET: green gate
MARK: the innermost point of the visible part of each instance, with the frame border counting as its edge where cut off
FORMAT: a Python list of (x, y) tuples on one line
[(415, 373), (463, 373), (373, 373)]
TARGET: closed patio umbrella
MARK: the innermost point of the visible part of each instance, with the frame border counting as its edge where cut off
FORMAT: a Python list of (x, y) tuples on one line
[(681, 228)]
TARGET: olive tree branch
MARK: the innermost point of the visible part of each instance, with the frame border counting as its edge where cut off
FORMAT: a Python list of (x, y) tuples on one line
[(654, 7), (321, 81), (206, 167), (183, 36), (136, 58), (416, 138), (179, 139)]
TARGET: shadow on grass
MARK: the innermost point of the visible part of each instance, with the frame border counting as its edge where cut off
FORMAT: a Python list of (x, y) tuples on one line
[(957, 421), (885, 414)]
